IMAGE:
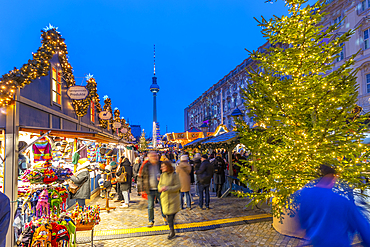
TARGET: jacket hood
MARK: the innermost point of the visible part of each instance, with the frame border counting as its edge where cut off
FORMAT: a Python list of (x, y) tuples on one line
[(126, 162)]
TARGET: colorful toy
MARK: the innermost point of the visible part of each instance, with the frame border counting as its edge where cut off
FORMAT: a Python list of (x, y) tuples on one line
[(55, 202), (42, 207)]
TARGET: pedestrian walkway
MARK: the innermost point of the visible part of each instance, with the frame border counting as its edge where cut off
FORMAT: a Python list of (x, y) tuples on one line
[(228, 223)]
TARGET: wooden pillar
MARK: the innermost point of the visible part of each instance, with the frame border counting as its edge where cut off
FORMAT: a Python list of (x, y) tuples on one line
[(11, 165)]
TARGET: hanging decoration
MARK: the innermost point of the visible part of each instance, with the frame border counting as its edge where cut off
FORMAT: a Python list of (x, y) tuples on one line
[(107, 107), (52, 43)]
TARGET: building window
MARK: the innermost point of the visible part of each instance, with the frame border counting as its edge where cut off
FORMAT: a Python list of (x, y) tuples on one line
[(368, 83), (229, 122), (340, 56), (92, 112), (338, 20), (228, 105), (366, 38), (56, 81)]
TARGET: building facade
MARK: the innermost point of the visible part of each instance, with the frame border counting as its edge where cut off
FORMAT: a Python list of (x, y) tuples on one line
[(225, 95)]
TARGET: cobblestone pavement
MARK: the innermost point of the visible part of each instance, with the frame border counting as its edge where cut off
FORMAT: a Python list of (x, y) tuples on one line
[(256, 234), (137, 213)]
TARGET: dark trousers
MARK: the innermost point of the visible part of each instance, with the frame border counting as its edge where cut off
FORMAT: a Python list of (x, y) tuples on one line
[(218, 190), (151, 196), (118, 189), (170, 220), (204, 187), (188, 199)]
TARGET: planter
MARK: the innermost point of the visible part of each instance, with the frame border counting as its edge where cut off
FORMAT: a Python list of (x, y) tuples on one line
[(290, 226)]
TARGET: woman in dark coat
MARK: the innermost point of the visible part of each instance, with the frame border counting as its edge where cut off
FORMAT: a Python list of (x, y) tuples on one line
[(125, 166), (219, 166), (82, 179)]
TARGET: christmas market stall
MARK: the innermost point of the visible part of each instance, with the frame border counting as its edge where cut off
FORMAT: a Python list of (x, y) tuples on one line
[(50, 127)]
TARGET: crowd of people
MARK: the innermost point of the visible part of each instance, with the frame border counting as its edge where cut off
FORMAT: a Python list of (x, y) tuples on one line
[(166, 178)]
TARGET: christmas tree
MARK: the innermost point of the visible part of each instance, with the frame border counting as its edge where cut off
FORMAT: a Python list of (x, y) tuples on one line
[(305, 110), (143, 144)]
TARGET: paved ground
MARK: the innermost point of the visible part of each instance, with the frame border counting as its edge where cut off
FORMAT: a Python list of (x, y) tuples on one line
[(256, 234)]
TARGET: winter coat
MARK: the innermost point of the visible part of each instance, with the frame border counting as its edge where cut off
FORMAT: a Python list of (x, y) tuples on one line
[(219, 178), (184, 169), (170, 199), (205, 172), (143, 176), (127, 165), (82, 178), (136, 169), (196, 165)]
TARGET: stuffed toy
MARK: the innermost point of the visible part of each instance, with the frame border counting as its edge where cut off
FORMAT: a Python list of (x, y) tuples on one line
[(42, 207), (55, 202), (59, 233), (33, 200), (63, 192)]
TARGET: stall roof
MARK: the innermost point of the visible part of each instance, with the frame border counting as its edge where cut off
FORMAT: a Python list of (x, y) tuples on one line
[(225, 137), (100, 137)]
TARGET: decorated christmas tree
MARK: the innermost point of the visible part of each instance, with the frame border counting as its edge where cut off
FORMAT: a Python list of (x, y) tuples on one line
[(143, 144), (305, 108)]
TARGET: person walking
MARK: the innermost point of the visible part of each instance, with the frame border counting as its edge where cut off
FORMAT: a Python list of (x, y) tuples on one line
[(330, 219), (125, 167), (196, 165), (219, 167), (135, 170), (169, 186), (82, 179), (4, 218), (149, 177), (184, 169), (205, 174)]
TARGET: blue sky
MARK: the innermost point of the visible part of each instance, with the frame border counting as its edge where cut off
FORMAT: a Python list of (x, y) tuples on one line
[(197, 43)]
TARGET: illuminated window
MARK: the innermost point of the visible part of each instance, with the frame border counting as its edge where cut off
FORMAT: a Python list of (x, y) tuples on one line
[(56, 81), (366, 39), (368, 83), (92, 111)]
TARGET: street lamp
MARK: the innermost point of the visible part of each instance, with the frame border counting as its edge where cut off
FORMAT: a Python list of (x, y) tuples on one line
[(237, 115), (204, 128)]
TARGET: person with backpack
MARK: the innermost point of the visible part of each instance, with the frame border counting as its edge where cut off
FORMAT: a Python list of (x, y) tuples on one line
[(219, 166), (205, 174), (124, 178)]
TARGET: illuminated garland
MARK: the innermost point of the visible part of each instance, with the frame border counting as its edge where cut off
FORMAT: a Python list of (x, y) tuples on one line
[(83, 105), (52, 43), (107, 107)]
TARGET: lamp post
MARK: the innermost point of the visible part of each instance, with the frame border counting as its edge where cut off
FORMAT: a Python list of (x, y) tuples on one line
[(204, 128)]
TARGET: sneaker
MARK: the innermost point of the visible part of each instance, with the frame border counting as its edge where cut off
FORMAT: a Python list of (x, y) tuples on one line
[(171, 236), (208, 208), (117, 200), (198, 207), (124, 205), (150, 224), (188, 208)]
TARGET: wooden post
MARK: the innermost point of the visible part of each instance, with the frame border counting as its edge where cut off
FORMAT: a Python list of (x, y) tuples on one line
[(230, 160)]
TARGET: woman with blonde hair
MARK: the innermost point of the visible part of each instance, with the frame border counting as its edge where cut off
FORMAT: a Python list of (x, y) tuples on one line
[(169, 187)]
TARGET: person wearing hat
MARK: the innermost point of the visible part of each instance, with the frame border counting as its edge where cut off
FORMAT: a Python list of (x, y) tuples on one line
[(82, 179), (196, 165), (184, 169), (205, 174), (125, 166)]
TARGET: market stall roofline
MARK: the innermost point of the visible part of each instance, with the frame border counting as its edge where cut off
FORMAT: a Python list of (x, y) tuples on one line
[(100, 137)]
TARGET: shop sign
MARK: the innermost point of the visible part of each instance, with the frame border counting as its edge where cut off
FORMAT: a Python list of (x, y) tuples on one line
[(105, 115), (77, 92), (124, 130), (117, 125)]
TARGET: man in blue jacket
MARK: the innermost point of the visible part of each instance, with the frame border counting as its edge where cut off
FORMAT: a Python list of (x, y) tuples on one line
[(330, 218), (4, 217)]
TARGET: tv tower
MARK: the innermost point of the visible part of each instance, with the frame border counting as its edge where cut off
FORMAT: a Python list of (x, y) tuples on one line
[(154, 88)]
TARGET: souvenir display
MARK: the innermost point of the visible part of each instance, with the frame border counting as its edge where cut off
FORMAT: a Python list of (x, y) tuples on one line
[(87, 215)]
